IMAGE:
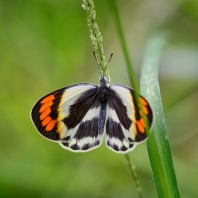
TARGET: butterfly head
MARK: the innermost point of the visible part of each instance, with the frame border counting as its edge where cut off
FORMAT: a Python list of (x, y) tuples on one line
[(104, 81)]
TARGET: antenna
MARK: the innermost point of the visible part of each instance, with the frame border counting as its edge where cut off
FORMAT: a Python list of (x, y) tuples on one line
[(110, 58), (98, 63)]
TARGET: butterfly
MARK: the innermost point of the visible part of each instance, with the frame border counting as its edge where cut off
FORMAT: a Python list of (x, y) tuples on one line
[(80, 115)]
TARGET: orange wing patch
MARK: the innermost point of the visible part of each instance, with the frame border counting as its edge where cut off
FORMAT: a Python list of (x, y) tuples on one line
[(144, 105), (45, 111), (45, 106), (46, 120), (140, 123), (51, 125), (143, 102), (47, 99)]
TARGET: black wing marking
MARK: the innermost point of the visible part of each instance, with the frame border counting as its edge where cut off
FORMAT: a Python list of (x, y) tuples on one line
[(125, 126)]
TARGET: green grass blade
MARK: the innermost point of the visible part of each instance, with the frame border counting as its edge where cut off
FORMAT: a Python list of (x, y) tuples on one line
[(158, 144), (129, 65)]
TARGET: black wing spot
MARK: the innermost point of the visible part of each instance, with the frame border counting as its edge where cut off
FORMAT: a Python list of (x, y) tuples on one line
[(67, 138), (97, 143), (130, 140), (75, 147), (108, 143), (115, 147), (124, 148), (86, 146), (131, 145), (65, 143)]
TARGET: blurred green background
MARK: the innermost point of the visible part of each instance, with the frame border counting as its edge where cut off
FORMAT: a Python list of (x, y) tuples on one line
[(45, 45)]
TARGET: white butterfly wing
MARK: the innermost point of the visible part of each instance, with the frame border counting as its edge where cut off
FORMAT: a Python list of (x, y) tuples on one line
[(125, 126), (70, 116)]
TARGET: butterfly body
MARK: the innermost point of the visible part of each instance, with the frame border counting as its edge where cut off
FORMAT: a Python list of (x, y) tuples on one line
[(79, 116)]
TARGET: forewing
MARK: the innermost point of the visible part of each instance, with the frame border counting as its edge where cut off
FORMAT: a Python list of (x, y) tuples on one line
[(69, 116), (125, 125)]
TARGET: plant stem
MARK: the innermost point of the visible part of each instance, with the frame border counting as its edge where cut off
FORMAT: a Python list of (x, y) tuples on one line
[(134, 175), (96, 37), (130, 68)]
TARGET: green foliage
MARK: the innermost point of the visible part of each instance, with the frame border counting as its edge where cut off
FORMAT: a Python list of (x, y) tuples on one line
[(158, 143)]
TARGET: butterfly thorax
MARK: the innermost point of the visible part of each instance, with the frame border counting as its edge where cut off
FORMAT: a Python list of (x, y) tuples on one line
[(103, 94), (103, 91)]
